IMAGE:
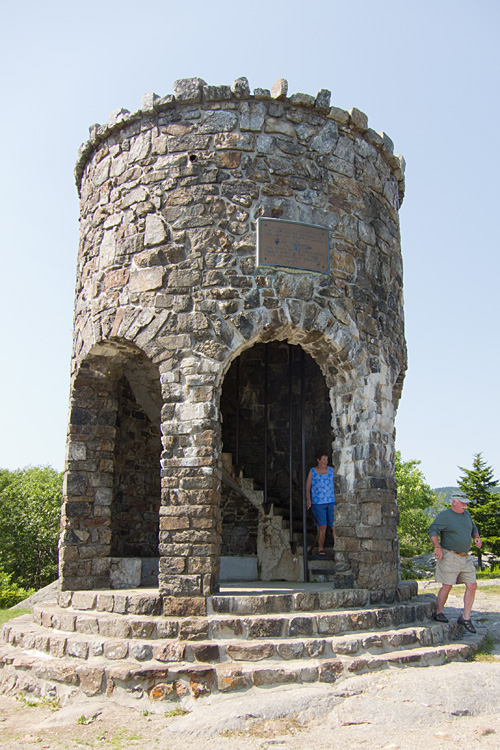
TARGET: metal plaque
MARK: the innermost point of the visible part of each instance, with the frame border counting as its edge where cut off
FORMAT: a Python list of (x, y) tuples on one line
[(290, 244)]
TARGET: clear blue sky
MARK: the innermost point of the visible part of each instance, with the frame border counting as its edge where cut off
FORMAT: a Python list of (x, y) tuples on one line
[(426, 72)]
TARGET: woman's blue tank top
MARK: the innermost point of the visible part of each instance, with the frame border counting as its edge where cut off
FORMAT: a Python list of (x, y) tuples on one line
[(322, 491)]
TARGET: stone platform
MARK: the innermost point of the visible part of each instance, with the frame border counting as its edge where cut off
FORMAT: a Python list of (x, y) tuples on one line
[(118, 644)]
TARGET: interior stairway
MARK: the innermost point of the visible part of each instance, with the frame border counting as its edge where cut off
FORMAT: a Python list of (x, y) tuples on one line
[(321, 568), (118, 644)]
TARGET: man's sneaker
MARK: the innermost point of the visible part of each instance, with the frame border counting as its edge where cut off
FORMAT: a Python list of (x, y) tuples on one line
[(440, 617), (467, 624)]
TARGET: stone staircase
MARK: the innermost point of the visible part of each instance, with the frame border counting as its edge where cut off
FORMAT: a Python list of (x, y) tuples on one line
[(118, 644), (275, 519), (326, 568)]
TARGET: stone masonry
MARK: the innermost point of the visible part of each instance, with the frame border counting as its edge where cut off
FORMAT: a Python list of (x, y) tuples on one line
[(168, 295)]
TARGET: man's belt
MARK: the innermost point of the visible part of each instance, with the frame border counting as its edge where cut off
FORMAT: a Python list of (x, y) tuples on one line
[(462, 554)]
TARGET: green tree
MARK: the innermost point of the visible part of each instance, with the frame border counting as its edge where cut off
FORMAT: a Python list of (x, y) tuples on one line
[(477, 483), (417, 502), (11, 593), (30, 507)]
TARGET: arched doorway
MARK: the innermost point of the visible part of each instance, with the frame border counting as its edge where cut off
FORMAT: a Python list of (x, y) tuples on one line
[(113, 478), (276, 412)]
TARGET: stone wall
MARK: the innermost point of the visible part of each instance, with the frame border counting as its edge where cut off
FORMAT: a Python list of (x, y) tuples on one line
[(167, 283)]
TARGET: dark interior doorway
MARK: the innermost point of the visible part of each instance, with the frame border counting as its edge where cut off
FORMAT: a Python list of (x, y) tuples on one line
[(275, 414)]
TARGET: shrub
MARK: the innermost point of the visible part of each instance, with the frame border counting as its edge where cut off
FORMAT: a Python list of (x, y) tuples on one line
[(488, 573), (30, 509), (11, 593)]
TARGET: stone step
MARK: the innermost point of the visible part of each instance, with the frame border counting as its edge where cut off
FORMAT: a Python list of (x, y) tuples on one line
[(423, 656), (238, 598), (340, 580), (121, 601), (248, 483), (118, 644), (233, 625), (151, 684), (324, 561), (25, 634), (323, 568), (225, 638)]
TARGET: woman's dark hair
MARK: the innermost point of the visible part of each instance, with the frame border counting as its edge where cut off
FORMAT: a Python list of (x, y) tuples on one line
[(321, 452)]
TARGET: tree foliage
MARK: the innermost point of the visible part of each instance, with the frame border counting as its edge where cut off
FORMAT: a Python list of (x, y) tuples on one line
[(11, 593), (30, 507), (417, 503), (478, 484)]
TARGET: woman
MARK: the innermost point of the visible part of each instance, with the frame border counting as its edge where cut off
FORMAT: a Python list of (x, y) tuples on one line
[(320, 495)]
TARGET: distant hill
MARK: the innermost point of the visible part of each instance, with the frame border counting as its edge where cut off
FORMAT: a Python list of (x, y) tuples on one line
[(446, 492)]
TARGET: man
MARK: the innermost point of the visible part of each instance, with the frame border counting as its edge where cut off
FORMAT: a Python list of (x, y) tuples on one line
[(454, 564)]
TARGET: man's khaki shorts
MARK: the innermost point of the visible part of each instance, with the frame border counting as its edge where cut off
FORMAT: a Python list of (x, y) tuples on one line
[(453, 568)]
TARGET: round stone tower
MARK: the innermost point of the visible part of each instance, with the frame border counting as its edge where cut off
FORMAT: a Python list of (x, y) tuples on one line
[(239, 263)]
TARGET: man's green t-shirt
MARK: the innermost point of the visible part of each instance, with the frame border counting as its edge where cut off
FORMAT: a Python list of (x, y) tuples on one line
[(455, 529)]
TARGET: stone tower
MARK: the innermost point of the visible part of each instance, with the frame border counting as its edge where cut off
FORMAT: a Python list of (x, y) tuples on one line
[(182, 278)]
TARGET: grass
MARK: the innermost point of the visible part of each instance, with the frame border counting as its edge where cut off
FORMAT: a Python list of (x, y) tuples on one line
[(52, 703), (118, 741), (85, 719), (9, 614), (488, 573), (495, 589), (265, 728), (176, 712), (484, 651), (121, 739)]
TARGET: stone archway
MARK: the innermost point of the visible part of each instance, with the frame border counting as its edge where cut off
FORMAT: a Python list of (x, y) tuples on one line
[(112, 491), (276, 412)]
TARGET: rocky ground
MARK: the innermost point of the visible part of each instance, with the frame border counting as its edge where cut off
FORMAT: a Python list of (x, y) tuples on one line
[(452, 706)]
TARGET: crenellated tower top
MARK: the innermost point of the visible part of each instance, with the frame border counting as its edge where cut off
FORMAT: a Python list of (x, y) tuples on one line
[(195, 92)]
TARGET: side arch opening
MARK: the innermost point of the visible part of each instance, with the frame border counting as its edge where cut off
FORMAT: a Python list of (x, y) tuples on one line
[(112, 488)]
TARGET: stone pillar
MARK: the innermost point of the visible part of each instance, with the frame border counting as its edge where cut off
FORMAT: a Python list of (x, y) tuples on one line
[(190, 526), (85, 542), (368, 514)]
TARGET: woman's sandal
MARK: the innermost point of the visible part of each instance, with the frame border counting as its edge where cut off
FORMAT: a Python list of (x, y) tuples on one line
[(321, 552)]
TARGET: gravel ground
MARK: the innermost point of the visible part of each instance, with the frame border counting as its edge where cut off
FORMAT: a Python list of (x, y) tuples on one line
[(456, 705)]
